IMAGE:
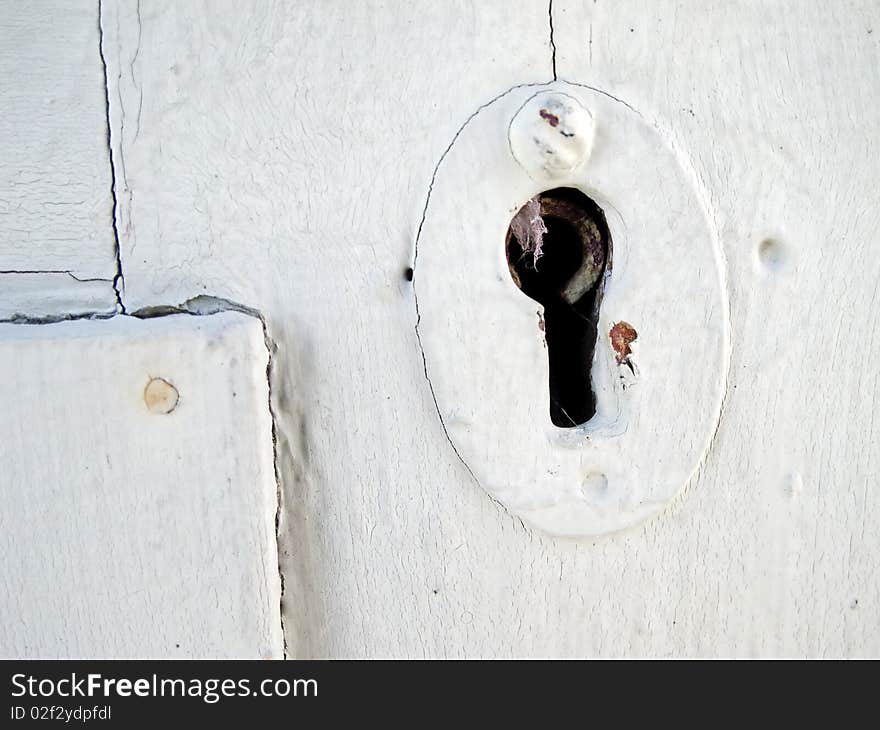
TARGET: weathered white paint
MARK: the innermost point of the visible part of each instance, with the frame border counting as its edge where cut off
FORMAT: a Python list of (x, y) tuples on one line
[(282, 158), (291, 173), (55, 175), (652, 428), (126, 531)]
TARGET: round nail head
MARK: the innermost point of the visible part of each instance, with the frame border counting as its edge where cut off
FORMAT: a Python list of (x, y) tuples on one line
[(160, 396)]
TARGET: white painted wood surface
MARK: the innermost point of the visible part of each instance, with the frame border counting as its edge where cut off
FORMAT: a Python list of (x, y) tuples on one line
[(55, 175), (288, 169), (126, 531), (282, 158)]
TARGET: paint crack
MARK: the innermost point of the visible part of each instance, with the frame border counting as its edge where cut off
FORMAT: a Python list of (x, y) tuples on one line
[(119, 277), (416, 256)]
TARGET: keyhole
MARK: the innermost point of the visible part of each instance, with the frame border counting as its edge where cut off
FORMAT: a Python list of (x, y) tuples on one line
[(558, 250)]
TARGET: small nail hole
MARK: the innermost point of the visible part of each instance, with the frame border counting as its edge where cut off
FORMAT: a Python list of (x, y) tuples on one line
[(595, 485), (772, 255)]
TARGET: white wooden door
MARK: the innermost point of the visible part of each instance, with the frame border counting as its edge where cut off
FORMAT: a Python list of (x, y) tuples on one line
[(273, 161)]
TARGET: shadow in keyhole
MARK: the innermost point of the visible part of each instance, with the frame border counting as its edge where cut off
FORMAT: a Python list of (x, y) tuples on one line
[(575, 249)]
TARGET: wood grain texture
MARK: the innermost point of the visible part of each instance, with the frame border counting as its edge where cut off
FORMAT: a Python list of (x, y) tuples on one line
[(126, 532), (55, 178), (283, 160)]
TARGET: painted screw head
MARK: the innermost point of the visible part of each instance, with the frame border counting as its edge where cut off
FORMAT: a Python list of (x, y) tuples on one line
[(551, 135)]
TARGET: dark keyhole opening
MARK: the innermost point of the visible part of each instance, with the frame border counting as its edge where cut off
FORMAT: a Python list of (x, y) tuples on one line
[(559, 250)]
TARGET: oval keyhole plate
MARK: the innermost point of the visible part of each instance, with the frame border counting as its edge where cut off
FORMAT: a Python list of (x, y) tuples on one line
[(659, 363)]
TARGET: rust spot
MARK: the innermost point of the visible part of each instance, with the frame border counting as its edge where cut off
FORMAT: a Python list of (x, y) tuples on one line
[(622, 334), (551, 118)]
